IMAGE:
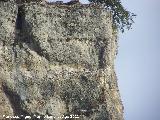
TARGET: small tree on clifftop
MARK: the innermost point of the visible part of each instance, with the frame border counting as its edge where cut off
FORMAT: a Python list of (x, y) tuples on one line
[(121, 17)]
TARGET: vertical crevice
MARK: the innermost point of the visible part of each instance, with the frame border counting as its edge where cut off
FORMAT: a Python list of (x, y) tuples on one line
[(101, 48), (20, 18), (101, 57), (18, 28)]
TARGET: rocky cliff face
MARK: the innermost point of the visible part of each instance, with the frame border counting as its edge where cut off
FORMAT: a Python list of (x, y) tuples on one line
[(57, 60)]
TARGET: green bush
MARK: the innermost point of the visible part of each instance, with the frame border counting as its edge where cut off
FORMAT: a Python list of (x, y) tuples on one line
[(122, 19)]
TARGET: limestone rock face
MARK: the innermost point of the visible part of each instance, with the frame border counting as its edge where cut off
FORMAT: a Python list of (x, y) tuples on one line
[(57, 60)]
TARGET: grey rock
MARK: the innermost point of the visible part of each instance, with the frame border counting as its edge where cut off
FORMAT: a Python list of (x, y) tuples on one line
[(58, 60)]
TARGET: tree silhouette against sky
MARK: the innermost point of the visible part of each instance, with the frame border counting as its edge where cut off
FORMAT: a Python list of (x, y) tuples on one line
[(122, 18)]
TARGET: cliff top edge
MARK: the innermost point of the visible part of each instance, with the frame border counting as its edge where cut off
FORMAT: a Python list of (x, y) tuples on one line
[(59, 3)]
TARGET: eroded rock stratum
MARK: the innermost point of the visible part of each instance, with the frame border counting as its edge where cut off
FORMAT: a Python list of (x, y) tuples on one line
[(58, 60)]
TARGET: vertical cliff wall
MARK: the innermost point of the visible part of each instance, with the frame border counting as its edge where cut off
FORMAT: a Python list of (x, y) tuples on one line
[(57, 60)]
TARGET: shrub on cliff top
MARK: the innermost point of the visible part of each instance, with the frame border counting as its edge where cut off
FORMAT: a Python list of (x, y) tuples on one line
[(122, 19)]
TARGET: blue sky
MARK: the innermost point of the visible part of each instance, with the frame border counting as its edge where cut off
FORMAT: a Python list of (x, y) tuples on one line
[(138, 62)]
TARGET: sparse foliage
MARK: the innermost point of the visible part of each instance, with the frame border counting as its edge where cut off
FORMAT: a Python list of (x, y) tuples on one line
[(122, 19)]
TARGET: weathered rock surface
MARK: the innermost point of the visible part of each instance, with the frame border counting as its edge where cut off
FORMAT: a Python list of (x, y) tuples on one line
[(57, 60)]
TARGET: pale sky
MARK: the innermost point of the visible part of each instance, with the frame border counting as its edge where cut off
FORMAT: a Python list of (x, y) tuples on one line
[(138, 62)]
